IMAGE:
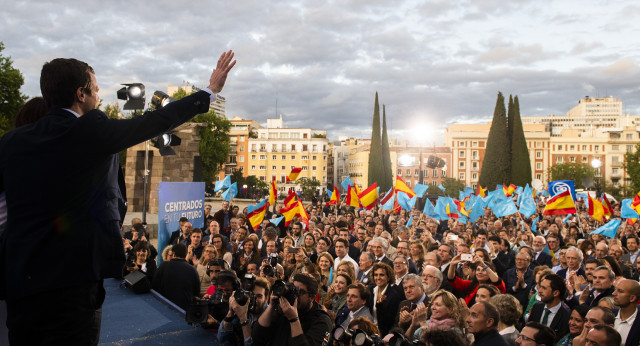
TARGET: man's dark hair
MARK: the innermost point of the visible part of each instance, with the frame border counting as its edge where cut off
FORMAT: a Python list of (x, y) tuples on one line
[(343, 241), (299, 224), (490, 312), (607, 315), (183, 219), (494, 238), (142, 245), (310, 282), (594, 260), (343, 230), (341, 224), (443, 337), (545, 335), (270, 233), (371, 224), (262, 282), (369, 255), (552, 235), (557, 284), (481, 232), (196, 230), (613, 337), (362, 291), (179, 250), (60, 79)]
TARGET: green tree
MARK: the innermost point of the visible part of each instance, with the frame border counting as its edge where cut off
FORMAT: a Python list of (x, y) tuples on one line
[(376, 169), (496, 165), (387, 181), (11, 99), (309, 187), (452, 186), (510, 125), (632, 168), (520, 162), (214, 141), (571, 171)]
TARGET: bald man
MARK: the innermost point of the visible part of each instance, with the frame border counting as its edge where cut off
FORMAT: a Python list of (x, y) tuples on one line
[(627, 323)]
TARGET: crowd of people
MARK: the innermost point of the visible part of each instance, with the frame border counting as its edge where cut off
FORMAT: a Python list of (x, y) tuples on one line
[(491, 281)]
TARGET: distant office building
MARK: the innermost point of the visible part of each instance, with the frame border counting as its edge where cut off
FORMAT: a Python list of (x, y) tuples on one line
[(219, 105)]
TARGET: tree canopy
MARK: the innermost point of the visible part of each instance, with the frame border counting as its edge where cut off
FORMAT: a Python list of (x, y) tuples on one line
[(11, 99), (571, 171)]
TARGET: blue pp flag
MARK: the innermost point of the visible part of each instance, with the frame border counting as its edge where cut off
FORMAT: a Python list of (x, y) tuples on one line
[(277, 221), (477, 209), (519, 190), (610, 229), (527, 205), (442, 188), (410, 222), (345, 183), (420, 190), (231, 192), (503, 207), (534, 225), (429, 210), (626, 211), (558, 186), (222, 184), (329, 193), (441, 209), (251, 208), (389, 205), (404, 200)]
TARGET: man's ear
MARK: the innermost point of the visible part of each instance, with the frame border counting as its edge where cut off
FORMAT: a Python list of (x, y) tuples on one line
[(80, 95)]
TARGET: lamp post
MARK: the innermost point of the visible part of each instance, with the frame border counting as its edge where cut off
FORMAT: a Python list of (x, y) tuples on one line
[(596, 164)]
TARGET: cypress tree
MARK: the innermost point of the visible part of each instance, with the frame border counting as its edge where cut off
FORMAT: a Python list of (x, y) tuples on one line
[(520, 161), (495, 166), (376, 170), (387, 182), (510, 111)]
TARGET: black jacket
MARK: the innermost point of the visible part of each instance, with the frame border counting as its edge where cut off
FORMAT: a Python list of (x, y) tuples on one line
[(387, 310), (560, 322), (522, 294), (73, 170), (316, 326), (490, 338), (177, 281)]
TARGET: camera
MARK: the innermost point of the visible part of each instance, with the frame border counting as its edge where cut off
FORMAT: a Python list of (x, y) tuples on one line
[(357, 337), (131, 261), (285, 289), (216, 306), (400, 340), (270, 269), (245, 295)]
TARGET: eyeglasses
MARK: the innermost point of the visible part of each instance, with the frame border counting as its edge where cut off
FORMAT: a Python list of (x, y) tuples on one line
[(429, 276), (398, 263), (526, 338)]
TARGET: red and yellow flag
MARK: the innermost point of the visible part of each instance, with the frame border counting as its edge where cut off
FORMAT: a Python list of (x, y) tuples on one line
[(289, 212), (273, 193), (303, 213), (352, 197), (635, 203), (451, 213), (369, 197), (608, 210), (460, 205), (560, 204), (291, 199), (509, 190), (295, 172), (335, 197), (481, 192), (402, 186), (596, 210), (256, 215)]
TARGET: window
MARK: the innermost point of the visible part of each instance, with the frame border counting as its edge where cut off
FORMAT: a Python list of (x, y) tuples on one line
[(584, 159), (572, 147), (461, 164), (584, 148), (596, 147), (241, 148), (253, 157), (408, 172), (399, 173), (241, 159), (538, 154), (292, 167), (474, 144), (572, 159), (324, 157), (293, 157), (474, 154), (444, 173), (461, 154), (284, 157), (305, 157), (614, 171), (305, 147), (293, 147), (274, 148), (241, 138), (313, 168), (314, 157), (629, 147), (263, 147), (539, 176), (629, 135), (434, 183), (253, 167), (461, 176), (324, 168), (435, 173), (538, 166), (274, 157), (425, 173), (305, 168), (284, 168), (263, 178), (461, 144), (615, 147), (273, 168), (253, 148), (614, 159), (559, 159), (559, 146), (474, 176), (416, 172), (263, 157), (263, 168), (314, 148)]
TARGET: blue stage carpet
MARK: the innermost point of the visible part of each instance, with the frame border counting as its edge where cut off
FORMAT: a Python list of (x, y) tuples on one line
[(142, 319)]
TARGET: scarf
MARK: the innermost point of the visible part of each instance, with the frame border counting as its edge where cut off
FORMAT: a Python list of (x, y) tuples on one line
[(441, 324)]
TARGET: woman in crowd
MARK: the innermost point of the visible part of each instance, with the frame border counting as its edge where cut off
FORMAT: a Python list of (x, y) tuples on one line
[(248, 254), (510, 312), (365, 325), (208, 253), (417, 252), (444, 313), (346, 267), (485, 292), (167, 253), (222, 248), (289, 261), (309, 247), (576, 324), (483, 273), (386, 297), (331, 233), (325, 263), (140, 261), (337, 295), (323, 244)]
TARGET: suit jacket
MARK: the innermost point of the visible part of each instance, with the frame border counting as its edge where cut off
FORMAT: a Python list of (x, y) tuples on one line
[(72, 170), (563, 273), (543, 259), (634, 334), (367, 280), (522, 294), (386, 260), (560, 322), (364, 312), (593, 301), (386, 311), (407, 304)]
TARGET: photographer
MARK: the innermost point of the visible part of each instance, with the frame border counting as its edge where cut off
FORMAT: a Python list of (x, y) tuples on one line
[(236, 326), (300, 323)]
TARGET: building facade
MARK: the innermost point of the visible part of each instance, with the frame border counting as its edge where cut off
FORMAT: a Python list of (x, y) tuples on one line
[(219, 105), (238, 159)]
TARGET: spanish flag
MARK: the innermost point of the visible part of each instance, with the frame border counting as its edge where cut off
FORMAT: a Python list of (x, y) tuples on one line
[(451, 213), (273, 193), (560, 204), (481, 192), (295, 172), (289, 212), (291, 199), (390, 194), (508, 190), (255, 213), (460, 205), (596, 210), (369, 197), (635, 203), (352, 197), (303, 213), (402, 186), (335, 197), (608, 210)]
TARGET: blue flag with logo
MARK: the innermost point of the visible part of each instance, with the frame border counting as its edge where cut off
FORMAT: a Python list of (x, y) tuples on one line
[(626, 211), (420, 190), (534, 224), (345, 183), (429, 210), (441, 188), (441, 209), (277, 221), (477, 209), (410, 222), (558, 186), (231, 192), (503, 207), (610, 229), (222, 184), (527, 204), (404, 200)]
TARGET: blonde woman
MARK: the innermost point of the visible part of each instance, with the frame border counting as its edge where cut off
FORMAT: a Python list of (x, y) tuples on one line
[(325, 263), (208, 253), (443, 313)]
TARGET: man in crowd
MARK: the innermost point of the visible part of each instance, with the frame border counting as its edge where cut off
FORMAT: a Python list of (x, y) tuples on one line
[(551, 311), (602, 286), (537, 333), (356, 306), (540, 257), (414, 294), (177, 280), (482, 321), (574, 258), (519, 280), (431, 280), (236, 327), (342, 255), (302, 322), (180, 235), (403, 249), (379, 248), (223, 217), (627, 323), (366, 263)]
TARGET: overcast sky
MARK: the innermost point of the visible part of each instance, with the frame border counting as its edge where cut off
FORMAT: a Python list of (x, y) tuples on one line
[(432, 62)]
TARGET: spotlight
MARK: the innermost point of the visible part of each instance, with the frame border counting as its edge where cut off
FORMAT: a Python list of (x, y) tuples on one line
[(435, 162), (133, 93), (160, 99), (164, 143)]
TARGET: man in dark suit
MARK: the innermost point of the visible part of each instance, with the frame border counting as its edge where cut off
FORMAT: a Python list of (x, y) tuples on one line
[(519, 280), (73, 170), (379, 247), (602, 287), (574, 264), (414, 292), (551, 311), (177, 280), (540, 257), (626, 296)]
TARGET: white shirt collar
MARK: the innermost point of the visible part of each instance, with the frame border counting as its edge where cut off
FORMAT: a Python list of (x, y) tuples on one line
[(507, 330), (72, 112)]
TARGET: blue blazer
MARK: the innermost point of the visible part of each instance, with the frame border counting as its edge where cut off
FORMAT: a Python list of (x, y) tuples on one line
[(64, 202), (634, 334)]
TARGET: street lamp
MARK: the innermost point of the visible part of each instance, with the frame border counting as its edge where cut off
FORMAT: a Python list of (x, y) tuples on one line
[(596, 164)]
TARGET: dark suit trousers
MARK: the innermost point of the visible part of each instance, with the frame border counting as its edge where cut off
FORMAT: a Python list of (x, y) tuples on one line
[(66, 316)]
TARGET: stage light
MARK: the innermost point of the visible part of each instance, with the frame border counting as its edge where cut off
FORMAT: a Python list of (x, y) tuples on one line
[(133, 93), (160, 99)]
